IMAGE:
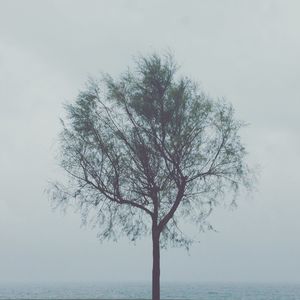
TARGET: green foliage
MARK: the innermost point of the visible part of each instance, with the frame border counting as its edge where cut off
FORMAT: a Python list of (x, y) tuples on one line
[(149, 151)]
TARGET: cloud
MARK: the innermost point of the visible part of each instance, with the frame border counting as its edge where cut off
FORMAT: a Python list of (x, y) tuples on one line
[(245, 51)]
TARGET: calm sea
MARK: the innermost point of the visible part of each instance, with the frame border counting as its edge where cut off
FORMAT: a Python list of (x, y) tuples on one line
[(198, 291)]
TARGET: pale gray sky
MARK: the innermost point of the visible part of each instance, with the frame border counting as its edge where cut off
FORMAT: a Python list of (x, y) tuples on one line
[(246, 51)]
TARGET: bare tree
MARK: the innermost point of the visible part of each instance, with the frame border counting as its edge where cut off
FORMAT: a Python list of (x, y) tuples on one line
[(149, 151)]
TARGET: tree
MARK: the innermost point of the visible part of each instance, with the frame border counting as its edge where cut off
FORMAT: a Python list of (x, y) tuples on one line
[(148, 151)]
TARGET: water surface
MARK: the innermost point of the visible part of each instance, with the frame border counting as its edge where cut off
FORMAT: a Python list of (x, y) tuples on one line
[(193, 291)]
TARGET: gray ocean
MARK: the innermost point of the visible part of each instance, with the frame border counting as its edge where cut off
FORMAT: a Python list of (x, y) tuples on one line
[(216, 291)]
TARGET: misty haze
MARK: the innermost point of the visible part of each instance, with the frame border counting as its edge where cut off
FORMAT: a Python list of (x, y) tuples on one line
[(175, 124)]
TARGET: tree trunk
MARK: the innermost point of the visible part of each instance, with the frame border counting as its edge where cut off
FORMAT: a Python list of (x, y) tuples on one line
[(156, 265)]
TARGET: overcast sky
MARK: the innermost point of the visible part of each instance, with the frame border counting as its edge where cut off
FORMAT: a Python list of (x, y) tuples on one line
[(245, 51)]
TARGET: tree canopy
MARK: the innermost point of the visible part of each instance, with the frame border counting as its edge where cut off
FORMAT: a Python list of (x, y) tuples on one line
[(149, 148)]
